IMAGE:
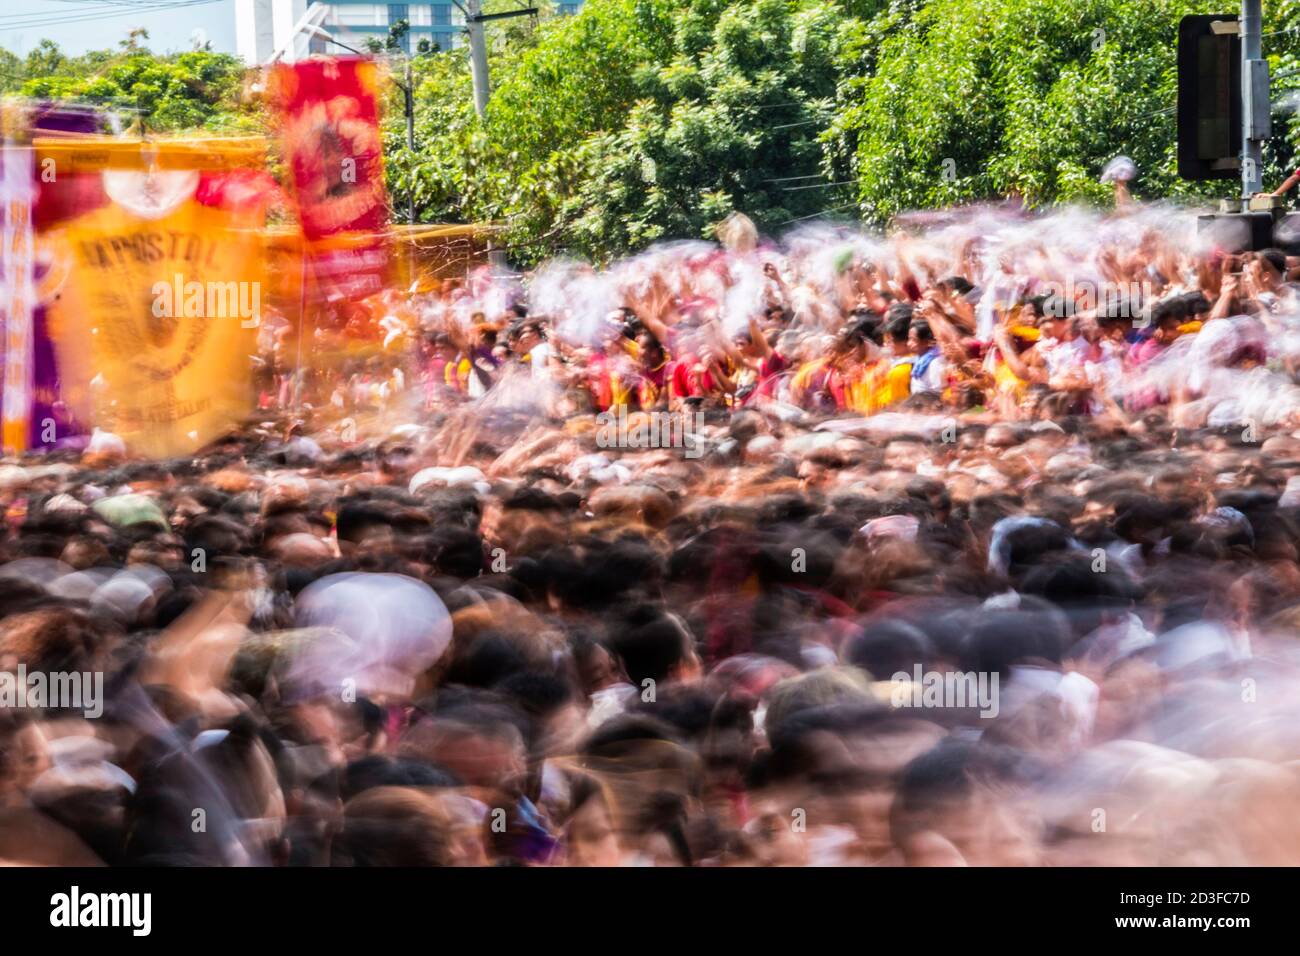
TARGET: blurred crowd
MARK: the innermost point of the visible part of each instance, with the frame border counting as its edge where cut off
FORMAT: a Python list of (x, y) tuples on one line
[(429, 608)]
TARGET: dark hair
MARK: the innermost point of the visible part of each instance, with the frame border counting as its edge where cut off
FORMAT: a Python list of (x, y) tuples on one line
[(1001, 638), (1276, 259), (455, 550), (889, 647), (897, 326), (898, 311), (393, 826), (1170, 310), (379, 770), (1197, 303), (649, 643), (1054, 306), (864, 328), (945, 777)]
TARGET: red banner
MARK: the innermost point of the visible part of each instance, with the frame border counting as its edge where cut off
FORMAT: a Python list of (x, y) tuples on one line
[(329, 117)]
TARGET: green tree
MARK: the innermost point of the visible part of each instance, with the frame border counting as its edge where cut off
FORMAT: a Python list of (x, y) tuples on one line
[(959, 101), (44, 59), (640, 120), (735, 125), (397, 33), (632, 121), (195, 90), (11, 72)]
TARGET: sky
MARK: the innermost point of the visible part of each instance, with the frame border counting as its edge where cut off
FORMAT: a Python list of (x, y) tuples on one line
[(81, 25)]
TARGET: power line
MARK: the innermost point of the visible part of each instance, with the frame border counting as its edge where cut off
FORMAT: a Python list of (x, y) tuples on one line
[(73, 10), (843, 182), (1167, 109), (824, 212), (21, 20), (93, 10)]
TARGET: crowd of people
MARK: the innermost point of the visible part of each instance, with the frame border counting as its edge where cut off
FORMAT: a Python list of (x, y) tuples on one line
[(429, 609)]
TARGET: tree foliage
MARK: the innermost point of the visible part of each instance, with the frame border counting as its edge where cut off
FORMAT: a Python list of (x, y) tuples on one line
[(637, 120), (640, 120), (964, 100), (192, 90)]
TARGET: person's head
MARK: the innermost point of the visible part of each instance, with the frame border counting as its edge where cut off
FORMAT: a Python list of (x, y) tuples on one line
[(898, 322), (364, 525), (1166, 319), (920, 337), (957, 285), (852, 341), (652, 350), (1056, 316), (1197, 304), (439, 346), (377, 770), (654, 645), (396, 826), (480, 741), (888, 647), (1113, 328), (899, 314), (525, 336), (962, 803), (777, 316), (590, 830), (1268, 269), (56, 639), (661, 831)]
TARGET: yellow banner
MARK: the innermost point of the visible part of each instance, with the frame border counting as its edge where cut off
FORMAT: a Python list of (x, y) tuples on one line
[(157, 320), (92, 154)]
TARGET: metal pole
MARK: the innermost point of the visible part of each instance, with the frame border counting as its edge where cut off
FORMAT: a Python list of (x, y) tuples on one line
[(478, 62), (478, 68), (408, 93), (1255, 119)]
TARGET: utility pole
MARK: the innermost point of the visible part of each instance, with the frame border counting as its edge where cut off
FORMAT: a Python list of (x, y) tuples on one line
[(478, 70), (1256, 125), (408, 95), (478, 61)]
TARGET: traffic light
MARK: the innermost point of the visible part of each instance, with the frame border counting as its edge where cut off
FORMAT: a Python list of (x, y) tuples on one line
[(1209, 97)]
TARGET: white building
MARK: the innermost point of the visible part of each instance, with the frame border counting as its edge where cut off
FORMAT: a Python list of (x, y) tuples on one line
[(264, 26)]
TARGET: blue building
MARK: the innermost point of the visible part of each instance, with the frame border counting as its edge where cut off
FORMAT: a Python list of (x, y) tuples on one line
[(439, 23)]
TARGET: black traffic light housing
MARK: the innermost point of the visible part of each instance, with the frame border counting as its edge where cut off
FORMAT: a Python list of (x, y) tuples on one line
[(1209, 99)]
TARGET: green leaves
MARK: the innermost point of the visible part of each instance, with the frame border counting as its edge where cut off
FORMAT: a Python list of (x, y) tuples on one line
[(962, 100), (641, 120), (184, 91)]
